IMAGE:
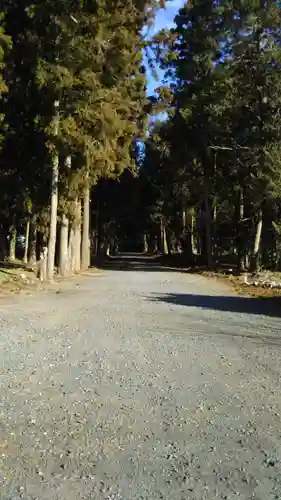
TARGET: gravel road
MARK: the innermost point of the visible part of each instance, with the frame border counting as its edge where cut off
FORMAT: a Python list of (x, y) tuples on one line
[(140, 384)]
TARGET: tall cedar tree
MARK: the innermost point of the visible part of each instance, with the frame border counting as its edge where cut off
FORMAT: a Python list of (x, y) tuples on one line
[(223, 59), (78, 87)]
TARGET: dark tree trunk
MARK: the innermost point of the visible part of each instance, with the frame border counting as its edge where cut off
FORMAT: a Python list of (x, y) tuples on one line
[(240, 233), (33, 246), (208, 227)]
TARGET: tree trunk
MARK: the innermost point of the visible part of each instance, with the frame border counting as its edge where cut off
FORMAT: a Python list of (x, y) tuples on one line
[(42, 265), (169, 242), (107, 248), (184, 220), (240, 243), (256, 250), (214, 228), (12, 244), (199, 232), (208, 229), (64, 256), (77, 237), (86, 229), (53, 220), (145, 244), (64, 266), (26, 245), (163, 238), (187, 225), (71, 250), (214, 212), (193, 232), (33, 244), (54, 203)]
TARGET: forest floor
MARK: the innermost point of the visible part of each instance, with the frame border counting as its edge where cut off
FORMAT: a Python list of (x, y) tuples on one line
[(238, 285), (140, 383), (17, 278)]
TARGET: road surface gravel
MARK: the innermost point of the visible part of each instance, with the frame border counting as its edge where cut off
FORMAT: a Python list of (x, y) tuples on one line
[(140, 384)]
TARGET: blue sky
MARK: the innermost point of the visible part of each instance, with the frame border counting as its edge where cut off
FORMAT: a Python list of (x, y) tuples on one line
[(164, 19)]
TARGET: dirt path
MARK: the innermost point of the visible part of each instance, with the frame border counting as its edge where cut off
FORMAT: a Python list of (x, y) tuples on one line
[(140, 384)]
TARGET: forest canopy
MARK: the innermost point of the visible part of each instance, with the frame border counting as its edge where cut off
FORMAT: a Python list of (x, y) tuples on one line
[(84, 170)]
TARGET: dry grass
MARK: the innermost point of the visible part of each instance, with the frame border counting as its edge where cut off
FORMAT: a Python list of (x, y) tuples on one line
[(238, 286), (223, 274), (17, 278)]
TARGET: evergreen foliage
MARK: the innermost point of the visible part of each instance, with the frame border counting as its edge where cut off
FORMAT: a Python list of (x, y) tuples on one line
[(222, 64), (74, 131), (74, 106)]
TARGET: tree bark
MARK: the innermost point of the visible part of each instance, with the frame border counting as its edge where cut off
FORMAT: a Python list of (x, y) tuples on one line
[(213, 211), (163, 238), (257, 242), (169, 242), (86, 229), (12, 244), (193, 229), (214, 229), (77, 237), (64, 264), (53, 220), (200, 232), (54, 203), (208, 228), (43, 262), (64, 257), (26, 246), (71, 250), (107, 248), (145, 243), (240, 243), (33, 243), (187, 229)]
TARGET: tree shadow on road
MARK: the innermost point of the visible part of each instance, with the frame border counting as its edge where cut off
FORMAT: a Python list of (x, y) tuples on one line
[(132, 262), (12, 265), (267, 306)]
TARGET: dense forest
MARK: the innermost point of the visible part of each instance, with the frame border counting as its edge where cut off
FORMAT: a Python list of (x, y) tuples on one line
[(211, 172), (85, 170), (72, 106)]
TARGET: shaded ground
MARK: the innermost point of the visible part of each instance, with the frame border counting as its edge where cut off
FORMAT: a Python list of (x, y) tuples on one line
[(223, 273), (136, 262), (245, 305), (139, 385)]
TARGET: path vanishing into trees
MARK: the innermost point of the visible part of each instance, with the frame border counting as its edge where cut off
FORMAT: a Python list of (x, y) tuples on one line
[(140, 383)]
